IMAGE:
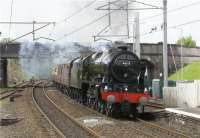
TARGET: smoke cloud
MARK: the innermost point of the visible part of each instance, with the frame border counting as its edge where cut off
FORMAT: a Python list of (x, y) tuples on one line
[(37, 59)]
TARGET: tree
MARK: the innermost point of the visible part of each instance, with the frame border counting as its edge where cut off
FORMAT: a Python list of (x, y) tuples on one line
[(186, 41)]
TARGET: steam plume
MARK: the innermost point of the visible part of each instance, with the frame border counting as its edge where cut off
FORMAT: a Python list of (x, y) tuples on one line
[(37, 59)]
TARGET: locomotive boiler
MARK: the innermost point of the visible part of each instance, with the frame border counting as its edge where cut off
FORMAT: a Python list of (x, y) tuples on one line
[(111, 82)]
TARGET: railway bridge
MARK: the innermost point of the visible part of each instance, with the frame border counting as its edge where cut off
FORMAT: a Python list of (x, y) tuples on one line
[(150, 52), (177, 56)]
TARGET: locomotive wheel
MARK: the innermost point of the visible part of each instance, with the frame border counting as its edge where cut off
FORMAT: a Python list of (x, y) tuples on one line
[(99, 106), (142, 109), (109, 110), (134, 113), (108, 113), (102, 108), (95, 105), (88, 102)]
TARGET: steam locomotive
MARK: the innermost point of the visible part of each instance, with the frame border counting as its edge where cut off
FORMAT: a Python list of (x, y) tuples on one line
[(111, 82)]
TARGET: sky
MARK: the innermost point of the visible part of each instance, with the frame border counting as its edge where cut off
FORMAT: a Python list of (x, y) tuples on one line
[(68, 20)]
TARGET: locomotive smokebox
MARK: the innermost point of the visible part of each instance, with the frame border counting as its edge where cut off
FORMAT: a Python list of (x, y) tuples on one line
[(125, 67)]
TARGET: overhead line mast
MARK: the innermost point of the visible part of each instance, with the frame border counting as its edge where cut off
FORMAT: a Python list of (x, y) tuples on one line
[(165, 49)]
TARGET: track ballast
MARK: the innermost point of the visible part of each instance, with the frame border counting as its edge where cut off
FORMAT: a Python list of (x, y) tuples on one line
[(65, 125)]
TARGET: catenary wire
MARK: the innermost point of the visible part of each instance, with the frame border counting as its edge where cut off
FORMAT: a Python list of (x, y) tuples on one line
[(86, 25), (78, 11), (172, 10), (175, 26)]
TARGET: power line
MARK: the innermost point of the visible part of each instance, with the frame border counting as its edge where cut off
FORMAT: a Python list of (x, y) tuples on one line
[(78, 11), (131, 1), (147, 4), (73, 14), (171, 27), (22, 23), (113, 2), (121, 7), (172, 10), (175, 26), (92, 22), (84, 26), (28, 33), (183, 24), (30, 23)]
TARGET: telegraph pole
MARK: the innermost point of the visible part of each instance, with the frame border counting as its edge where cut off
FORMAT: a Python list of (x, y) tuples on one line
[(165, 49)]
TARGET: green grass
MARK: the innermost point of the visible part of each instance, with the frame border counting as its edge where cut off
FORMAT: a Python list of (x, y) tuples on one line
[(190, 72), (5, 89)]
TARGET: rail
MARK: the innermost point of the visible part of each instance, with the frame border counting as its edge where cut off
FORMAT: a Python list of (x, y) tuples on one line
[(8, 93), (140, 131), (165, 130), (91, 132)]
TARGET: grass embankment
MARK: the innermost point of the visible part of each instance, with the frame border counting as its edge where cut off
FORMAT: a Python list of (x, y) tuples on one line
[(190, 72), (5, 89)]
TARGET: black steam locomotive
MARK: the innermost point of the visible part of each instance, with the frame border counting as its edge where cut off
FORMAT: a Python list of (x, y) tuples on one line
[(111, 82)]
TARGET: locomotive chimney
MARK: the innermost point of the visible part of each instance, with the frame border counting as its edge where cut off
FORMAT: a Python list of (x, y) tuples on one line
[(121, 45), (123, 48)]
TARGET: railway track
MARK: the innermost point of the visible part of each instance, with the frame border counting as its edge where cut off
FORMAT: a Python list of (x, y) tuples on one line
[(140, 126), (121, 126), (156, 105), (7, 94), (64, 124), (186, 124), (16, 86), (19, 87), (159, 106), (145, 128), (166, 132), (186, 118)]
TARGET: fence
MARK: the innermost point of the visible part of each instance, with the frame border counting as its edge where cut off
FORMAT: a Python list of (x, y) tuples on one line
[(185, 94)]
